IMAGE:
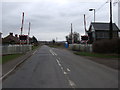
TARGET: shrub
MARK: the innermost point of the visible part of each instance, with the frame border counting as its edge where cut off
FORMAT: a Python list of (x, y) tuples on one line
[(107, 46)]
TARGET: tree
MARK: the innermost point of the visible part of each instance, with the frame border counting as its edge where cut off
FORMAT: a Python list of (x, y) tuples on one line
[(76, 38), (34, 40), (53, 41)]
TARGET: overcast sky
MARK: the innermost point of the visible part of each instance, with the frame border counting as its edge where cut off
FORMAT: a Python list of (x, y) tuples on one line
[(52, 18)]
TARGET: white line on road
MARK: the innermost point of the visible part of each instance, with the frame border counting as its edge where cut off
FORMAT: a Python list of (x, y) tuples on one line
[(34, 52), (72, 84), (58, 63), (51, 52), (68, 69), (65, 72), (62, 68)]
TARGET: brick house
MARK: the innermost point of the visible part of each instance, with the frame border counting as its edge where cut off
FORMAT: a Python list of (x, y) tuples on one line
[(10, 39)]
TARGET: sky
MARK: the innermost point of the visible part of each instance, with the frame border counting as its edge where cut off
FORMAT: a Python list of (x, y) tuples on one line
[(51, 19)]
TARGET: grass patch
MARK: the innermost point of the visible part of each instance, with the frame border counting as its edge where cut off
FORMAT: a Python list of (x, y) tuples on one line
[(96, 55), (56, 46), (7, 58), (34, 47)]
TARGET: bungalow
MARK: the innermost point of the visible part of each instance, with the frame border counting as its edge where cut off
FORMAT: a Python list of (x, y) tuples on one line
[(98, 31)]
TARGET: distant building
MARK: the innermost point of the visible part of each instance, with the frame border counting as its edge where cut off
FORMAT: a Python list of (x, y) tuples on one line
[(10, 39), (99, 30)]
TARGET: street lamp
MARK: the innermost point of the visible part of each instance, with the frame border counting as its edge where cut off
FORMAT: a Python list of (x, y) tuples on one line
[(94, 13)]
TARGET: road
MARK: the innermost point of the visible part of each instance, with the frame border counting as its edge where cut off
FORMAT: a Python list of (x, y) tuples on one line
[(59, 68)]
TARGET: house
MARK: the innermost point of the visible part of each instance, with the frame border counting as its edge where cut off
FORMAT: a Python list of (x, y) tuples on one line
[(10, 39), (100, 30)]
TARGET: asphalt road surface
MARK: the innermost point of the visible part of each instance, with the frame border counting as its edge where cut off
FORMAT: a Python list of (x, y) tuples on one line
[(55, 68)]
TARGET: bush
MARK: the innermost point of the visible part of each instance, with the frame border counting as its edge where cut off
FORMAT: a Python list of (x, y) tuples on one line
[(107, 46)]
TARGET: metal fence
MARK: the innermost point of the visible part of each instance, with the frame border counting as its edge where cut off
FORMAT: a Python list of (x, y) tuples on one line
[(81, 47), (14, 49)]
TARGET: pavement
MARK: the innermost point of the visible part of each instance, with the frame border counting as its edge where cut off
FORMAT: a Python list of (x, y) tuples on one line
[(59, 68)]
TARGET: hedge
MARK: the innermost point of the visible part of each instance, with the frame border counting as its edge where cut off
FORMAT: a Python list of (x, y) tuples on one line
[(107, 46)]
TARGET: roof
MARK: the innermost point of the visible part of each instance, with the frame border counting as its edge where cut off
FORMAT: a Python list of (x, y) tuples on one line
[(103, 26), (9, 38)]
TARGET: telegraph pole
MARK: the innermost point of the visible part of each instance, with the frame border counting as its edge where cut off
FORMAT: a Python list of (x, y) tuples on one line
[(85, 24), (71, 34), (22, 23), (29, 29), (28, 32), (110, 25)]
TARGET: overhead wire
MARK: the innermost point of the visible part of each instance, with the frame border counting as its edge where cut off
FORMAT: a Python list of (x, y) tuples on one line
[(98, 9)]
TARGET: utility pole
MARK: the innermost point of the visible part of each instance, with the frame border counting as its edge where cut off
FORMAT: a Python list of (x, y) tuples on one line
[(94, 13), (110, 25), (85, 24), (29, 29), (28, 32), (22, 23), (72, 34)]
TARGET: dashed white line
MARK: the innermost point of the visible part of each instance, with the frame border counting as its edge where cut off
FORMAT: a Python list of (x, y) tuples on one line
[(62, 68), (72, 84), (68, 69), (65, 72), (58, 63), (53, 53)]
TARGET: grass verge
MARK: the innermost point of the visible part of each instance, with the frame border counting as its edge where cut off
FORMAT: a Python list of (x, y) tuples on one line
[(56, 46), (7, 58), (35, 47), (97, 55)]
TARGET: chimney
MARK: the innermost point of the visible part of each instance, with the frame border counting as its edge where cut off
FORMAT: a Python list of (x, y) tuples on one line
[(11, 34)]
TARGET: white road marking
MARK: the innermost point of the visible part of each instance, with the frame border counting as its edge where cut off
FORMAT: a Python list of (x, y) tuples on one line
[(34, 52), (62, 68), (68, 69), (65, 72), (72, 84), (58, 63), (53, 53)]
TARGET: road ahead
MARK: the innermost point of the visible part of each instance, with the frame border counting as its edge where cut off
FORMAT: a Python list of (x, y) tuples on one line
[(55, 68)]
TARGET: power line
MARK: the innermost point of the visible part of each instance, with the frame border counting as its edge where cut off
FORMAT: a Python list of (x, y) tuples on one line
[(98, 9)]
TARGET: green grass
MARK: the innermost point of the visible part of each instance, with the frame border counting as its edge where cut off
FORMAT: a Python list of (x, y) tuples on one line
[(56, 46), (7, 58), (97, 55), (34, 47)]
